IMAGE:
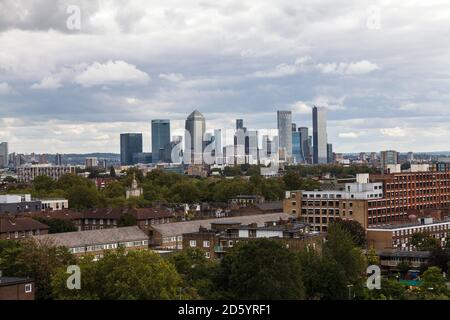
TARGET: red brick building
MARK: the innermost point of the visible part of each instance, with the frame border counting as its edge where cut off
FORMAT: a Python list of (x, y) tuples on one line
[(98, 219), (12, 288), (17, 228), (375, 200)]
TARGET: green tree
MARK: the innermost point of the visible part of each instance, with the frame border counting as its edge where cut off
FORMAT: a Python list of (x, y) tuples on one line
[(43, 185), (137, 275), (424, 241), (355, 229), (341, 248), (197, 271), (434, 284), (57, 225), (114, 190), (292, 180), (38, 260), (82, 197), (390, 290), (372, 257), (126, 220), (185, 192), (260, 269), (323, 278)]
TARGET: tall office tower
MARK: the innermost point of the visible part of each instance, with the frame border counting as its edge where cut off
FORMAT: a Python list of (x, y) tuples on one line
[(310, 148), (218, 148), (266, 147), (330, 158), (58, 159), (297, 152), (3, 154), (304, 140), (410, 157), (195, 126), (319, 135), (388, 157), (294, 127), (251, 147), (208, 139), (130, 143), (160, 139), (239, 124), (285, 133)]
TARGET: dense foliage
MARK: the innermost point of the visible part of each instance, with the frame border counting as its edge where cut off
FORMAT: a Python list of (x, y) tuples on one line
[(164, 187)]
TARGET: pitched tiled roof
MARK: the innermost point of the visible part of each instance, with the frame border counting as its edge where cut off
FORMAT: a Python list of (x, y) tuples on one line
[(178, 228), (13, 224), (116, 213), (94, 237), (58, 214), (152, 213)]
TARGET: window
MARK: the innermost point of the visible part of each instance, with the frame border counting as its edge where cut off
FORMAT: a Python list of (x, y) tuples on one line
[(192, 243), (28, 288), (207, 255), (206, 244)]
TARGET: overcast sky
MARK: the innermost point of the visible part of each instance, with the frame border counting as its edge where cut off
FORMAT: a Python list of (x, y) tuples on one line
[(382, 68)]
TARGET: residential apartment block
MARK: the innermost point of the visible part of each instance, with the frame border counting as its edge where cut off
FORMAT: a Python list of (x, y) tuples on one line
[(373, 200), (169, 236), (27, 173), (223, 236), (398, 236)]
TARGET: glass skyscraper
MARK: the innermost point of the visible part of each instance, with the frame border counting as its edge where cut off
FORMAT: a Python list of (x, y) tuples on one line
[(297, 147), (130, 143), (195, 126), (3, 154), (284, 119), (320, 135), (304, 137), (160, 140)]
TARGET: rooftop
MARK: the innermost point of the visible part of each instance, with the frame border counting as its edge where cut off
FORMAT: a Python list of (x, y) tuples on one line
[(409, 224), (178, 228), (13, 224), (95, 237), (406, 254), (8, 281)]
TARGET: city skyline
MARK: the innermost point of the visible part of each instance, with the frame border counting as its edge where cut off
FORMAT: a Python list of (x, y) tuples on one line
[(78, 89)]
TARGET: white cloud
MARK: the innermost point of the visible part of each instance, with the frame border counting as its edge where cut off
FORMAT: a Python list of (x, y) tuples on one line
[(350, 135), (352, 68), (111, 73), (283, 69), (174, 77), (49, 82), (329, 102), (393, 132), (5, 88), (300, 107)]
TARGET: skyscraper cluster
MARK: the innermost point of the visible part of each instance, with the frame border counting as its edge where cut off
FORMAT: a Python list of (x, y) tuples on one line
[(290, 144)]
